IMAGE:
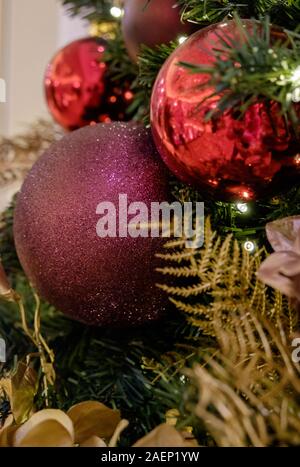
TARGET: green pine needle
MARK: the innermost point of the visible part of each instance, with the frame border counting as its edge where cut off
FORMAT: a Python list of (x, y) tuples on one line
[(255, 69), (92, 10)]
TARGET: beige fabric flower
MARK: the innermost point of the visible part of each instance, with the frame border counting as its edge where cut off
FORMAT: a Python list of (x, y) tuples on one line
[(281, 270), (165, 435), (88, 424)]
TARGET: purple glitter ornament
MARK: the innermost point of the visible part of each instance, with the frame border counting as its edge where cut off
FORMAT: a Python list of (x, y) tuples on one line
[(99, 281)]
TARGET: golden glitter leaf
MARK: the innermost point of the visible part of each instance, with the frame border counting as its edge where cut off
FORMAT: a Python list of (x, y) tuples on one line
[(93, 419), (249, 393), (219, 280), (24, 385)]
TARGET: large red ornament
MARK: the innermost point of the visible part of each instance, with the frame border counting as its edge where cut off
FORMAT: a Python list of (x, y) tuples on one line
[(152, 23), (77, 90), (231, 157), (101, 281)]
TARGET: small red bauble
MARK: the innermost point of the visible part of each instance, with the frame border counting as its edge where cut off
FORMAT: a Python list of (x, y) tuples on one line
[(102, 281), (152, 23), (231, 157), (77, 90)]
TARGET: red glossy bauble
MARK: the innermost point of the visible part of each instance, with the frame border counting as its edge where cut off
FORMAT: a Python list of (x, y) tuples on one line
[(152, 23), (231, 157), (97, 280), (77, 90)]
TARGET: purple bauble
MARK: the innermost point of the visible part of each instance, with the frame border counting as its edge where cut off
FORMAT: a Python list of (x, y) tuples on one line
[(100, 281), (152, 23)]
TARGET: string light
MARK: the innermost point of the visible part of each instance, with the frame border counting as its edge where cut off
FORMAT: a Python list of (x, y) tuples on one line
[(249, 246), (295, 78), (182, 39), (116, 12), (296, 95), (242, 207)]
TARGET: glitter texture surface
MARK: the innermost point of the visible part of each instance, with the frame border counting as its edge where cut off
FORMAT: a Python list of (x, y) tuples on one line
[(101, 281), (232, 157)]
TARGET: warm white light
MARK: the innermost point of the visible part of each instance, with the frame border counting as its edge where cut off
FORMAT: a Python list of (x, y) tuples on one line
[(116, 12), (296, 95), (242, 207), (295, 78), (182, 39), (249, 246)]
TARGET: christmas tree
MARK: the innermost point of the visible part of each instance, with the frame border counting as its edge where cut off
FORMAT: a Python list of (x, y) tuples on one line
[(157, 338)]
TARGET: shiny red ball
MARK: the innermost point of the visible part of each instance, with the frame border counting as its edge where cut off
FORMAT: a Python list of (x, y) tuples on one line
[(152, 23), (231, 157), (77, 90), (107, 281)]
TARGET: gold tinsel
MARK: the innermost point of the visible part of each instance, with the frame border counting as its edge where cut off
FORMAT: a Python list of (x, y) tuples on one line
[(18, 154), (106, 29), (219, 281), (249, 393)]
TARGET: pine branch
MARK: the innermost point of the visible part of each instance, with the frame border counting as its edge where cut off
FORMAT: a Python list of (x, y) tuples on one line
[(150, 62), (207, 12), (104, 365), (284, 13), (92, 10), (255, 69)]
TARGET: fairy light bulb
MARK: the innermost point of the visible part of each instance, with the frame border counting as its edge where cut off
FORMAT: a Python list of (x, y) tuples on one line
[(116, 12), (242, 207), (249, 246), (295, 78), (182, 39)]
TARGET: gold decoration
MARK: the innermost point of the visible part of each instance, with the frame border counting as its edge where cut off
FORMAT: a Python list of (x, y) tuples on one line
[(222, 282), (164, 436), (20, 389), (88, 424), (249, 394), (18, 154), (106, 29), (44, 353), (93, 419), (172, 417)]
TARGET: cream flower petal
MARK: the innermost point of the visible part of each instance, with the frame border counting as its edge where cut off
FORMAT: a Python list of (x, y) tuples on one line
[(297, 244), (93, 442), (7, 432), (282, 271), (282, 234), (93, 419), (117, 434), (47, 428), (163, 436)]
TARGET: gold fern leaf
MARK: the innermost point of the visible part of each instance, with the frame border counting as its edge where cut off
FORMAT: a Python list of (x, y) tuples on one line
[(249, 392), (219, 280)]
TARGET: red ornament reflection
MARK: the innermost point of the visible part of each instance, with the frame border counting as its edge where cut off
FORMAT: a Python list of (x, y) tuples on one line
[(232, 157), (77, 90)]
